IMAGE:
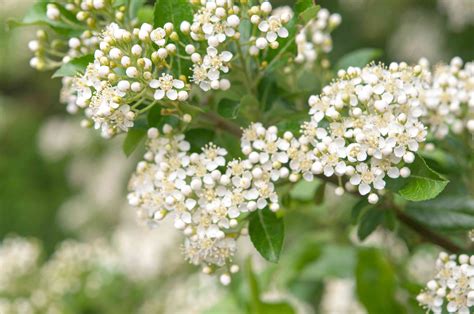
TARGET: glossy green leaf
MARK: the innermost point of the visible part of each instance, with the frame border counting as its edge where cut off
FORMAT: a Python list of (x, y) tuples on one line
[(74, 67), (358, 58), (228, 108), (358, 209), (198, 138), (36, 15), (369, 221), (145, 14), (132, 140), (309, 14), (154, 116), (137, 6), (423, 183), (442, 219), (303, 5), (173, 11), (376, 283), (267, 232), (319, 194)]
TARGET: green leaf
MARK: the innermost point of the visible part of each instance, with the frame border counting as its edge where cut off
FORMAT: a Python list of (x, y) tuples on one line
[(309, 14), (319, 194), (442, 218), (145, 15), (335, 261), (228, 108), (132, 140), (302, 5), (357, 210), (304, 190), (154, 117), (134, 8), (267, 232), (74, 67), (198, 138), (423, 183), (358, 58), (36, 15), (376, 283), (174, 11), (369, 221)]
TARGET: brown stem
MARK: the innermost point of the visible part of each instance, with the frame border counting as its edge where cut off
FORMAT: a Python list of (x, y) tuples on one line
[(426, 233)]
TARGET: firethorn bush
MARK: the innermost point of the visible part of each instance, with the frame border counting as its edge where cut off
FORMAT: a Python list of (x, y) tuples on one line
[(236, 109)]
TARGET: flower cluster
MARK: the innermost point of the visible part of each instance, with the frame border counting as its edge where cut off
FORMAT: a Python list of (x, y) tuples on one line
[(453, 284), (86, 17), (366, 126), (271, 26), (204, 194), (449, 101), (314, 40)]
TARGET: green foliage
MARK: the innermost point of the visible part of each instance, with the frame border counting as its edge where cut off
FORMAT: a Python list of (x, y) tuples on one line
[(36, 15), (369, 221), (198, 138), (132, 140), (423, 183), (267, 232), (228, 108), (74, 67), (358, 58), (376, 283), (173, 11), (334, 261)]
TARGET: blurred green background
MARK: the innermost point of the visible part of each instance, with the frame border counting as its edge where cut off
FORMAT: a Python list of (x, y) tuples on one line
[(58, 181)]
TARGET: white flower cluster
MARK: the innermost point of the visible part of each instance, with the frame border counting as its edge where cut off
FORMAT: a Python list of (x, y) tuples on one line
[(271, 26), (89, 17), (314, 41), (460, 13), (366, 126), (449, 101), (17, 258), (204, 194), (34, 287), (453, 284)]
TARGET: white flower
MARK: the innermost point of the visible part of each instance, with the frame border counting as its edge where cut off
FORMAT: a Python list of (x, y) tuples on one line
[(273, 28), (167, 86)]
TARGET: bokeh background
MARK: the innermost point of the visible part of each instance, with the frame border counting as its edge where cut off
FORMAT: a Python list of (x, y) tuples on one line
[(58, 181)]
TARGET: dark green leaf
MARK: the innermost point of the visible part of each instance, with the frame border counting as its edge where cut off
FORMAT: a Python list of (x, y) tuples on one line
[(369, 221), (174, 11), (36, 15), (319, 194), (358, 58), (442, 219), (309, 14), (154, 117), (358, 209), (74, 67), (267, 232), (198, 138), (376, 283), (423, 183), (132, 140), (303, 5), (228, 108)]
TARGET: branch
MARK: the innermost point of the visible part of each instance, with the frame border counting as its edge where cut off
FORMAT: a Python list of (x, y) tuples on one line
[(426, 233)]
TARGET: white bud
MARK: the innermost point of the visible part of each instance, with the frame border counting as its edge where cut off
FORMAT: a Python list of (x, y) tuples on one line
[(266, 7), (183, 95), (137, 50), (405, 172), (373, 198), (132, 72), (123, 86), (233, 20), (153, 133), (190, 49), (261, 43), (409, 157), (339, 191), (225, 279), (185, 27), (74, 43), (224, 84), (234, 269), (136, 87)]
